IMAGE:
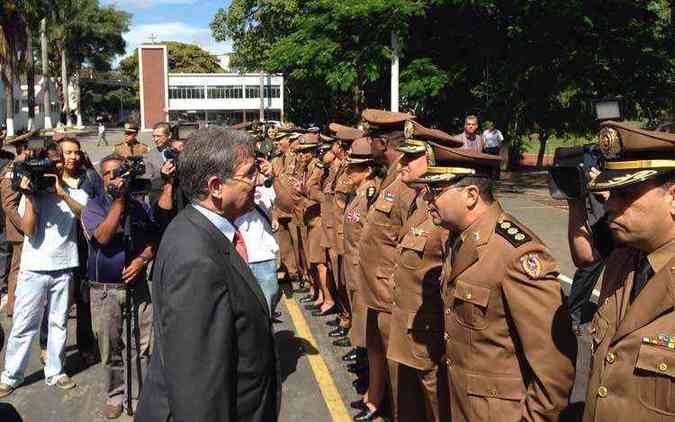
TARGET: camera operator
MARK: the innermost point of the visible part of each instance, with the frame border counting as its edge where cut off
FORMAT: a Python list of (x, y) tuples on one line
[(118, 260), (48, 260), (171, 199)]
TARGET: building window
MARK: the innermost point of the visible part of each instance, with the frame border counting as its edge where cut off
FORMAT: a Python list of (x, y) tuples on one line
[(186, 92), (54, 108), (272, 91), (252, 91), (225, 91)]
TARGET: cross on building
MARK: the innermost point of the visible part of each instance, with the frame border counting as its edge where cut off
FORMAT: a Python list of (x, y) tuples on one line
[(153, 38)]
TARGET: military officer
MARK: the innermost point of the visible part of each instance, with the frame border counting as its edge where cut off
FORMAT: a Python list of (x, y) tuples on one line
[(415, 351), (340, 190), (130, 146), (283, 166), (633, 365), (510, 350), (377, 250), (310, 212), (361, 175)]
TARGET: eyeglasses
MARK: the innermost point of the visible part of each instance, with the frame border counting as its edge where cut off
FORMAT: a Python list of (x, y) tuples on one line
[(250, 177), (435, 191)]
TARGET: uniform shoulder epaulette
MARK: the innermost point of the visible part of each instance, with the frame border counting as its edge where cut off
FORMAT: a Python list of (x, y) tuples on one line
[(512, 233)]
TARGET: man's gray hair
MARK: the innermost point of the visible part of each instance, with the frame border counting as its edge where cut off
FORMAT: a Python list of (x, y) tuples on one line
[(213, 151)]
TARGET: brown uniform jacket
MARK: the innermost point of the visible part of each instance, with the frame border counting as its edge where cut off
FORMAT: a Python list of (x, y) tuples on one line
[(312, 194), (286, 179), (125, 150), (10, 205), (380, 236), (342, 189), (416, 327), (509, 344), (633, 366), (355, 216), (328, 205)]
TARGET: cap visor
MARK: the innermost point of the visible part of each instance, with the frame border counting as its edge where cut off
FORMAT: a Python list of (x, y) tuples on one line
[(617, 179)]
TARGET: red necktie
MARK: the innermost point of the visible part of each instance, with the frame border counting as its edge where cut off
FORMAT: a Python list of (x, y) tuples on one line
[(240, 246)]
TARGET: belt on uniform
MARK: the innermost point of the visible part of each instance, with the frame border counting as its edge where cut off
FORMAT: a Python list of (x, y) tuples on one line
[(113, 286)]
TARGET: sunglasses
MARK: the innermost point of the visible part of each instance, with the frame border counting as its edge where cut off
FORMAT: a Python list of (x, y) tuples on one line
[(434, 191)]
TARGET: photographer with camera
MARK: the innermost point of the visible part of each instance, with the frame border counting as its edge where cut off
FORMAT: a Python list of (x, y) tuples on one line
[(49, 209), (122, 239)]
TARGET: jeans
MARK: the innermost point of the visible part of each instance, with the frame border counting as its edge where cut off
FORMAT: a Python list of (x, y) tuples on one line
[(33, 290), (5, 259), (266, 274)]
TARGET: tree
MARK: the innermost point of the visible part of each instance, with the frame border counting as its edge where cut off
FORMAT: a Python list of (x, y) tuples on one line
[(528, 66), (182, 58)]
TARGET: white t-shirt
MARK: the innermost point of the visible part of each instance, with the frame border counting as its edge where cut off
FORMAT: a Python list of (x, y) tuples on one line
[(53, 246), (261, 244), (493, 138)]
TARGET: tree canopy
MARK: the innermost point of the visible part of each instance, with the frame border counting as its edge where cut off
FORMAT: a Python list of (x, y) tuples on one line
[(529, 66), (182, 58)]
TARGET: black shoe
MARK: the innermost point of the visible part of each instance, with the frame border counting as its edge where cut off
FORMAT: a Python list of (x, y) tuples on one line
[(352, 355), (307, 299), (339, 332), (357, 368), (334, 322), (311, 307), (342, 342), (367, 415), (330, 311), (360, 385), (358, 404)]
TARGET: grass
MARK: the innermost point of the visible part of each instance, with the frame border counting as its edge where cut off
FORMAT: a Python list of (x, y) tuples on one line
[(531, 143)]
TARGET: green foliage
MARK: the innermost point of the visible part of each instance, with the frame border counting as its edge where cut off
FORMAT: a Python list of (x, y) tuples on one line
[(183, 58), (529, 66)]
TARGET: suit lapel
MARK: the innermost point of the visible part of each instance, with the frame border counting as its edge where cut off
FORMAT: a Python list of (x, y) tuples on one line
[(655, 299), (227, 249)]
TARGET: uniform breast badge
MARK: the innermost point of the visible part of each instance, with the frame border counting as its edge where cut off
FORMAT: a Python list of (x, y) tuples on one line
[(661, 340), (389, 197), (532, 265)]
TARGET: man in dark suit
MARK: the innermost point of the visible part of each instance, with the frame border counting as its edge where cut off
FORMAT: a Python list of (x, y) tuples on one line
[(214, 356)]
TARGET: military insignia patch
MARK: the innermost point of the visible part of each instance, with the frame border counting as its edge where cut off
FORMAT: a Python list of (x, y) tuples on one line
[(371, 192), (408, 129), (417, 232), (510, 231), (532, 265), (610, 143), (389, 197)]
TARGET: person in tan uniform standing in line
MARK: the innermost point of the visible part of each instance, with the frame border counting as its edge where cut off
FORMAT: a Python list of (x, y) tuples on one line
[(310, 210), (509, 346), (130, 146), (415, 352), (9, 199), (378, 249), (633, 332), (284, 203), (362, 177)]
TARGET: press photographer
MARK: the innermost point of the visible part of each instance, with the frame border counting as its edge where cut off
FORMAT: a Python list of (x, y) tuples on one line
[(122, 238), (171, 199), (48, 260)]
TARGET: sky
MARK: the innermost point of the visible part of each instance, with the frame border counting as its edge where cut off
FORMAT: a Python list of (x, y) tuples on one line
[(171, 20)]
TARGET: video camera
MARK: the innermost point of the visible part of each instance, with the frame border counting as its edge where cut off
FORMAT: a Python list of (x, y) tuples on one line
[(569, 175), (37, 171), (130, 170)]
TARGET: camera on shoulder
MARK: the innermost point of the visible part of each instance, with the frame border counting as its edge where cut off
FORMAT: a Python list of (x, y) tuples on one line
[(130, 170), (40, 173), (569, 175)]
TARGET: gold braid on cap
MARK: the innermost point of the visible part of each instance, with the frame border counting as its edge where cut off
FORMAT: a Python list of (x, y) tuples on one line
[(450, 170), (431, 155), (639, 164)]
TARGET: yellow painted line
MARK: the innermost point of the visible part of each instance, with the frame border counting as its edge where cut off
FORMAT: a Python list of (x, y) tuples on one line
[(329, 391)]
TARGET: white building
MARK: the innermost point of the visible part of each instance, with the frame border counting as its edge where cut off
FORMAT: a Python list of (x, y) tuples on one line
[(224, 98), (220, 98), (20, 119)]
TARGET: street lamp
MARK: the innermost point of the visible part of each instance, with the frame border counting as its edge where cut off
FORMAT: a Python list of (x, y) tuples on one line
[(608, 108)]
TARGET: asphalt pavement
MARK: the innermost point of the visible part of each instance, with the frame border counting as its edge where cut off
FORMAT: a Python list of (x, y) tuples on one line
[(316, 386)]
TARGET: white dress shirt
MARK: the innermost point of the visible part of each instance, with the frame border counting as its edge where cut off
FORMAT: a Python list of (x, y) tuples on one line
[(261, 243)]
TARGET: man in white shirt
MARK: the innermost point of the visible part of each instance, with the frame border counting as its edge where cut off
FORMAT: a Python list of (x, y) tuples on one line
[(261, 243), (48, 259), (492, 138)]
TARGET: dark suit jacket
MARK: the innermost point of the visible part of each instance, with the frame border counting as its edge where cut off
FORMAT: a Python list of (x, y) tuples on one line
[(214, 356)]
